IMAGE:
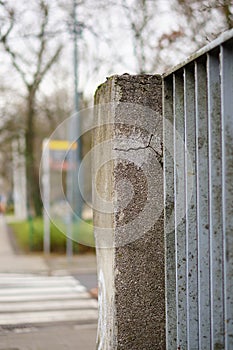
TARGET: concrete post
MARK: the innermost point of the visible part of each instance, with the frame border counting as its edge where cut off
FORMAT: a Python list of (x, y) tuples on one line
[(128, 213)]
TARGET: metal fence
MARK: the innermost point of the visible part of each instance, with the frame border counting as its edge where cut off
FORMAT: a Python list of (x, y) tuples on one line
[(198, 171)]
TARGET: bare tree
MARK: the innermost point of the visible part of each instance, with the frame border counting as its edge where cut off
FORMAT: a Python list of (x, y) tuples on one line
[(32, 72), (202, 21), (139, 17), (189, 25)]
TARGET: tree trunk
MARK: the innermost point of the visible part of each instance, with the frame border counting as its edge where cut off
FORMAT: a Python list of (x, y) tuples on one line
[(34, 202)]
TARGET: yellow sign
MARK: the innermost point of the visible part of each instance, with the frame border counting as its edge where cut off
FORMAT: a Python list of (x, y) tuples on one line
[(62, 145)]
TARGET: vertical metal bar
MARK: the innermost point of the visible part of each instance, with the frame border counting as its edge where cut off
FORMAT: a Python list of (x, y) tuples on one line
[(76, 97), (215, 201), (19, 178), (170, 282), (69, 243), (76, 156), (179, 186), (226, 59), (70, 197), (190, 203), (203, 267), (46, 196)]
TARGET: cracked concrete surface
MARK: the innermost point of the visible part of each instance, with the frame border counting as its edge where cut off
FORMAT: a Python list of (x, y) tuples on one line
[(158, 151), (131, 271)]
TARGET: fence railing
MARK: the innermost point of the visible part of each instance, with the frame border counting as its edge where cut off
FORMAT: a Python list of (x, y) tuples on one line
[(198, 176), (190, 168)]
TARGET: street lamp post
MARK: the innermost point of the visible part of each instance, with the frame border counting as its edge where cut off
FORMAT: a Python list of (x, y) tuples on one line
[(74, 194)]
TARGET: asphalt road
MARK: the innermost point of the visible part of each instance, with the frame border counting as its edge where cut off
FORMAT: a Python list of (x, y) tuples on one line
[(58, 337), (42, 312)]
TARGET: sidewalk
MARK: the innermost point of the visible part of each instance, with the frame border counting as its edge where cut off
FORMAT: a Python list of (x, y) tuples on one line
[(10, 262), (37, 263)]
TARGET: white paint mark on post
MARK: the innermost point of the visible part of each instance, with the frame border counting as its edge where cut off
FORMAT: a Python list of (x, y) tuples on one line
[(102, 320)]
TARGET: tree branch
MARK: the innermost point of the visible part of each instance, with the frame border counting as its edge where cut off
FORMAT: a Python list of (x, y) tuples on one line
[(41, 36), (43, 72), (11, 14), (4, 41), (14, 62)]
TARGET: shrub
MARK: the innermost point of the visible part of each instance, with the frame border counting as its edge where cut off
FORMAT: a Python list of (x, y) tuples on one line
[(29, 236)]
